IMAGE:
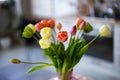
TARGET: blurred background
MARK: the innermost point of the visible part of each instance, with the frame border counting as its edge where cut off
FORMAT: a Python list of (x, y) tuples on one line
[(101, 61)]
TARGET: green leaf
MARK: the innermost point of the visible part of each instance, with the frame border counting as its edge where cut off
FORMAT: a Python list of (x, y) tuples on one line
[(72, 49), (53, 49), (59, 61), (61, 50), (62, 46), (82, 43), (38, 67), (81, 52), (75, 55), (84, 49), (49, 53), (70, 45)]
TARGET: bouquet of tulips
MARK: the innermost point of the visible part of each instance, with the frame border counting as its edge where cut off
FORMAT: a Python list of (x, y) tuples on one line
[(51, 38)]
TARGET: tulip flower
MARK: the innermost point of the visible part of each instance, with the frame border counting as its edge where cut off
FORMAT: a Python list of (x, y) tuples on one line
[(44, 23), (46, 32), (51, 23), (45, 43), (59, 26), (73, 30), (28, 31), (104, 31), (15, 61), (27, 34), (32, 27), (88, 28), (62, 36), (82, 25), (79, 21), (39, 26)]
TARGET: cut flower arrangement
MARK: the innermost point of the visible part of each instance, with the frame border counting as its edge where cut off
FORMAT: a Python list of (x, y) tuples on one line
[(51, 38)]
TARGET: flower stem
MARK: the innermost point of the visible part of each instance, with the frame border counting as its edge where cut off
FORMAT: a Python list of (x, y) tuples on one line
[(38, 35), (79, 34), (35, 38), (55, 31), (53, 38), (70, 40), (93, 39), (34, 62)]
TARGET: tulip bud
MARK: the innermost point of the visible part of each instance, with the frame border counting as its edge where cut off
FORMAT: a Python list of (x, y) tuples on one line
[(79, 21), (44, 23), (73, 30), (88, 28), (104, 31), (46, 32), (45, 43), (27, 35), (15, 61), (62, 36), (82, 25), (32, 27), (59, 26), (51, 23), (39, 26), (28, 32)]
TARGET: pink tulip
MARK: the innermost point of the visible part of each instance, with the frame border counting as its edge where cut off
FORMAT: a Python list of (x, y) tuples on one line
[(79, 21), (82, 25), (73, 30)]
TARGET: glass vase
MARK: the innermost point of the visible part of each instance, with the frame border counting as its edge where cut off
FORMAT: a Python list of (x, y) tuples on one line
[(69, 76)]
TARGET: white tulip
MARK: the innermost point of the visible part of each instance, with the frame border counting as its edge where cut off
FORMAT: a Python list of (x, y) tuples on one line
[(45, 43), (104, 30)]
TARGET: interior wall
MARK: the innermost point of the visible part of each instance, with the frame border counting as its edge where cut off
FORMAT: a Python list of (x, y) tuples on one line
[(26, 7)]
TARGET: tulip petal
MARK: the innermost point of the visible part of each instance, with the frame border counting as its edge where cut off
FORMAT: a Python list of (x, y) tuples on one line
[(45, 43), (104, 31)]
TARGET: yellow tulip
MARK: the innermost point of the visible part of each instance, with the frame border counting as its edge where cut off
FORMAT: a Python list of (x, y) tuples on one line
[(104, 31), (46, 32), (45, 43)]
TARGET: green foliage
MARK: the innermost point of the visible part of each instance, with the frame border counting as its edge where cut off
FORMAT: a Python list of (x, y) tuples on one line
[(64, 60), (56, 54), (38, 67)]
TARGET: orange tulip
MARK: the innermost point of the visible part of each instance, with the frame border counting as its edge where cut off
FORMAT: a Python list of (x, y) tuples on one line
[(51, 23), (79, 21), (44, 23), (62, 36), (38, 26), (59, 26)]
